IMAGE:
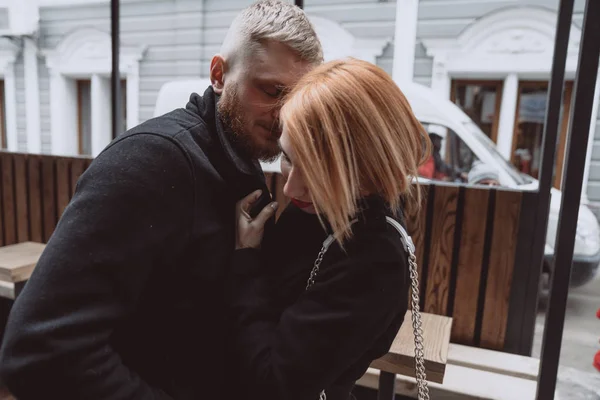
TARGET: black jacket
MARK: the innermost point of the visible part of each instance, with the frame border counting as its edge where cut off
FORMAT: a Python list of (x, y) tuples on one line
[(291, 343), (127, 300)]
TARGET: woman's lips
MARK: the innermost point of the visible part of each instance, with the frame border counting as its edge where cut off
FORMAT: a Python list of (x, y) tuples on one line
[(301, 204)]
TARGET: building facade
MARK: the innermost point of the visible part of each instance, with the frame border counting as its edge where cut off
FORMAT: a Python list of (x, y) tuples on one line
[(491, 57)]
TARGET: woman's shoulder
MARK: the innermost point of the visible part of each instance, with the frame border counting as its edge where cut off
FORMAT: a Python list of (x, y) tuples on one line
[(379, 239)]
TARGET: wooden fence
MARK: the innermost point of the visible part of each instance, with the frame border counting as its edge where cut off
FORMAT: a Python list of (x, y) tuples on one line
[(474, 245)]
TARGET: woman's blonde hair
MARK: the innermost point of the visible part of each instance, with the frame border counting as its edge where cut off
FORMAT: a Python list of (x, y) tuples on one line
[(353, 132)]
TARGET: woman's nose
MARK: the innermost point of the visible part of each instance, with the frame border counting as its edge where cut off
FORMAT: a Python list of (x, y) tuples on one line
[(294, 186)]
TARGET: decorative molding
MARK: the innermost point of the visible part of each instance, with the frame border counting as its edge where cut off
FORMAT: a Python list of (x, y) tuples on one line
[(8, 54), (87, 51), (337, 42), (516, 40)]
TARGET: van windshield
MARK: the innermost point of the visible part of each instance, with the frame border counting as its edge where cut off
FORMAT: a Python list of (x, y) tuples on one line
[(491, 147)]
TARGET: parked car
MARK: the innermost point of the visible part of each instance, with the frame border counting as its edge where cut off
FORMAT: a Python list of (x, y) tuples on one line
[(463, 144)]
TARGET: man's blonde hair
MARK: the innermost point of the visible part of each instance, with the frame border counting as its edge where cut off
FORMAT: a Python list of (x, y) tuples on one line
[(273, 20), (353, 132)]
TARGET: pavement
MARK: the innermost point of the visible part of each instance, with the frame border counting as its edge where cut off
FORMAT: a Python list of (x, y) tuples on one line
[(577, 378)]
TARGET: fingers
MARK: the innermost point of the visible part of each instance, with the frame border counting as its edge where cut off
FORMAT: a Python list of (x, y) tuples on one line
[(247, 201), (266, 213)]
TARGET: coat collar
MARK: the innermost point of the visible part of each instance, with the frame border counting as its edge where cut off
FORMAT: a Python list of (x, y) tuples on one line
[(206, 107)]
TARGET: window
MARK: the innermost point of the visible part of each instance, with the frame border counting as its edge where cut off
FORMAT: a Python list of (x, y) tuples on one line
[(84, 112), (2, 117), (480, 100), (529, 128), (451, 158)]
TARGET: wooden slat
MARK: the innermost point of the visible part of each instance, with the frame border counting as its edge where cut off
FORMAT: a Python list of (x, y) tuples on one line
[(78, 166), (63, 178), (441, 248), (469, 264), (18, 260), (22, 212), (522, 310), (2, 155), (400, 359), (8, 200), (48, 197), (35, 198), (500, 272), (416, 226)]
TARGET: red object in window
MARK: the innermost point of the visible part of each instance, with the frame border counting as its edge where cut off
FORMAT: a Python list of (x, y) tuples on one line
[(597, 356), (427, 170)]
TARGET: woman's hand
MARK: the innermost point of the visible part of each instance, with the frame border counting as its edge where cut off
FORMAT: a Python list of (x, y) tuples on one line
[(250, 230)]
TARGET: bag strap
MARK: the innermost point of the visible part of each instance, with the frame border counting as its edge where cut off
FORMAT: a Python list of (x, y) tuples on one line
[(420, 373), (409, 246)]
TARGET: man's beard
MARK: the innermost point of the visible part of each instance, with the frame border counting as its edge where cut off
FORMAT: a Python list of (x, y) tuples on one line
[(232, 116)]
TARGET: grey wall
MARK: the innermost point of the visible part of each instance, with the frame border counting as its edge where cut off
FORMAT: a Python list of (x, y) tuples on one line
[(4, 18), (171, 30), (366, 19)]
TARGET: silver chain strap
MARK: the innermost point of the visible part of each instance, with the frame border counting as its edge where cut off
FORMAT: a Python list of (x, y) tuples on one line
[(311, 281), (315, 270), (420, 373)]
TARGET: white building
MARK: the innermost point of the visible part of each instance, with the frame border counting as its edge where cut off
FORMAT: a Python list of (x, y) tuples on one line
[(493, 57)]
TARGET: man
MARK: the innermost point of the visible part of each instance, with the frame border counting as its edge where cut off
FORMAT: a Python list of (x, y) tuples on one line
[(127, 300), (483, 174)]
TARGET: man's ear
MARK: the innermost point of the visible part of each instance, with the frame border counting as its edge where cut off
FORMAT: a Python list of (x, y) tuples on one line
[(217, 73)]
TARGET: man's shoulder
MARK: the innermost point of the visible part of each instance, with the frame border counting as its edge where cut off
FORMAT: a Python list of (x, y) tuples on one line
[(178, 133)]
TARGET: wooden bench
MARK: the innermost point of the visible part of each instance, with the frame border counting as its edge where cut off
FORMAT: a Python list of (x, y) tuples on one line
[(436, 339), (17, 262), (473, 373)]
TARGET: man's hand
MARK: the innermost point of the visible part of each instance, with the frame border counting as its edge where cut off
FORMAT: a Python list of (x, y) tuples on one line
[(250, 231)]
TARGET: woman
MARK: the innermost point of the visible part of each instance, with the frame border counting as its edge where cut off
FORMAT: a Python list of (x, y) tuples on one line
[(351, 146)]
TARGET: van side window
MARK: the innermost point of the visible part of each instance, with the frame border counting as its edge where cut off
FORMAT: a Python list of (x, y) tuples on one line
[(451, 158)]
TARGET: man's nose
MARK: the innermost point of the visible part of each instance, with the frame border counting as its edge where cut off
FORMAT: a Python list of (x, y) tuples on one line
[(275, 113)]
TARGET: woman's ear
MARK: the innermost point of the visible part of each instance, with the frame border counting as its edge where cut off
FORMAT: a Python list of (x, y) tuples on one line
[(217, 73)]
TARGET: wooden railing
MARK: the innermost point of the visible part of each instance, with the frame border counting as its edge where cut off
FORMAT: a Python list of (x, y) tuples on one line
[(474, 245)]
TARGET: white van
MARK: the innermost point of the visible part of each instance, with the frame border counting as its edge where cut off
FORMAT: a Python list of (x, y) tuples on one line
[(470, 144)]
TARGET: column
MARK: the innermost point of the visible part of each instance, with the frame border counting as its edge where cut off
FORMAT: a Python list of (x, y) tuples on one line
[(133, 96), (508, 112), (590, 148), (440, 79), (405, 39), (101, 114), (63, 115), (10, 106), (32, 97)]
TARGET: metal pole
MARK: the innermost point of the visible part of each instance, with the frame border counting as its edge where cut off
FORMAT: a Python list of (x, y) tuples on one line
[(299, 3), (579, 128), (551, 128), (115, 80)]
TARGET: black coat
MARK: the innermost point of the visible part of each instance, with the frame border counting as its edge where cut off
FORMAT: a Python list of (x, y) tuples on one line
[(291, 342), (127, 300)]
